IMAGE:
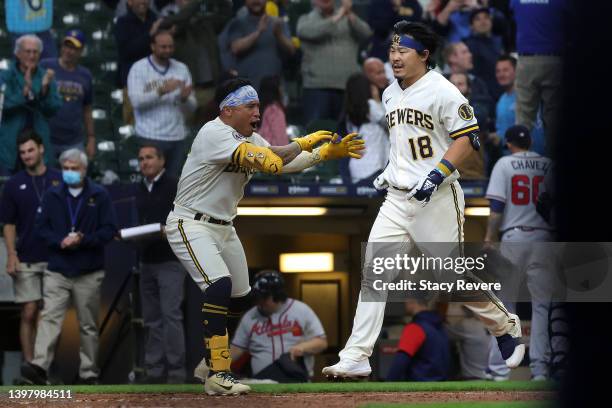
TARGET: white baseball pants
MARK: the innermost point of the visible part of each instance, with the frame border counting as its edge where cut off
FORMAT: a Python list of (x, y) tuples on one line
[(407, 222), (208, 251)]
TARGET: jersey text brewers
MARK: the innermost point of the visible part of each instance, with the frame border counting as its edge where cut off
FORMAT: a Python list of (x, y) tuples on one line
[(423, 120)]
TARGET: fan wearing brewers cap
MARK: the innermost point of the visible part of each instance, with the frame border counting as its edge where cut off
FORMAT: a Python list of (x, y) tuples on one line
[(512, 193), (72, 126)]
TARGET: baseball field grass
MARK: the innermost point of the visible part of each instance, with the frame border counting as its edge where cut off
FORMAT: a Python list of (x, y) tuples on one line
[(322, 387)]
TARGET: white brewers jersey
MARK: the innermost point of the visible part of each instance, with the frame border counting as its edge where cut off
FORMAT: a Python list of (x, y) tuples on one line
[(423, 121), (210, 183), (516, 181), (159, 118)]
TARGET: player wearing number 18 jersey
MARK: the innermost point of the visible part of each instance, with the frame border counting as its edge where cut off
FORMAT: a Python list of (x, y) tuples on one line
[(423, 120), (432, 129)]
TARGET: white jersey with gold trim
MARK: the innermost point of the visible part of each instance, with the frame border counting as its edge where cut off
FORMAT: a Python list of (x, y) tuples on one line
[(423, 120), (210, 183)]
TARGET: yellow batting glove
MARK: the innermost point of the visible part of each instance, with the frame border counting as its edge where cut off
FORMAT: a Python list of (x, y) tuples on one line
[(309, 141), (348, 146)]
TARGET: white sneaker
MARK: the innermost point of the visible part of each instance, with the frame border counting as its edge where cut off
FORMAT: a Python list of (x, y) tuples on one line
[(348, 369), (510, 345), (224, 383), (201, 371)]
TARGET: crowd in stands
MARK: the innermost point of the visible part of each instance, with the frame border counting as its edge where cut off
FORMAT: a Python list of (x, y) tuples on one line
[(330, 64), (316, 53)]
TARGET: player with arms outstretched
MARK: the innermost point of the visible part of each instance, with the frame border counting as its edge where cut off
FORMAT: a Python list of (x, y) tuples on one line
[(432, 130), (224, 156)]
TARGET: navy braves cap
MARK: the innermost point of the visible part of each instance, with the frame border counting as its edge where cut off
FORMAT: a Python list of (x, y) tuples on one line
[(75, 37), (518, 135), (268, 283)]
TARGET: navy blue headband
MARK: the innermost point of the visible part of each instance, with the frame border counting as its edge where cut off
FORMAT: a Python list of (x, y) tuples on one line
[(405, 41)]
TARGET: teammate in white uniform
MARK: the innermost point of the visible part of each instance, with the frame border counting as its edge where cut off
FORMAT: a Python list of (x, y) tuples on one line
[(432, 130), (513, 189), (224, 155)]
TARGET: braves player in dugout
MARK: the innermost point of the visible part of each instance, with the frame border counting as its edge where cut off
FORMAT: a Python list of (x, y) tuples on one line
[(513, 191), (432, 130), (224, 156)]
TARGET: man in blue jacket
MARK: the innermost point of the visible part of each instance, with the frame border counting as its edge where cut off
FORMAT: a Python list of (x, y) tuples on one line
[(423, 352), (26, 259), (76, 222)]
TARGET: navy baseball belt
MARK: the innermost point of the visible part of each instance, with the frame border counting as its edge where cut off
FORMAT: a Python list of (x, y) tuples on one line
[(406, 190), (197, 216)]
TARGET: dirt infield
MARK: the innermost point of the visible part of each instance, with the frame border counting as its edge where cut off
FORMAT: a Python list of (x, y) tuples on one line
[(257, 400)]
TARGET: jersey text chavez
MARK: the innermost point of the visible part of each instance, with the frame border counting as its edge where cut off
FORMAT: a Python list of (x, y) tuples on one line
[(409, 116), (523, 164)]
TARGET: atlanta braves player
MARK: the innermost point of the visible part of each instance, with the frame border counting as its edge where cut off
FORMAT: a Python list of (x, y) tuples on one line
[(278, 325), (224, 155), (512, 192), (432, 129)]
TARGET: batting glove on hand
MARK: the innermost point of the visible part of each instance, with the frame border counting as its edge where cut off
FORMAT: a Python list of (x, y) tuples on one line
[(340, 148), (425, 187), (309, 141)]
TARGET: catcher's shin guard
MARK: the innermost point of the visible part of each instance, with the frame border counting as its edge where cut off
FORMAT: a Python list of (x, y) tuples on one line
[(218, 353)]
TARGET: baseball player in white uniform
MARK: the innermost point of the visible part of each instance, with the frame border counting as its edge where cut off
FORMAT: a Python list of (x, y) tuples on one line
[(224, 155), (432, 130), (513, 190)]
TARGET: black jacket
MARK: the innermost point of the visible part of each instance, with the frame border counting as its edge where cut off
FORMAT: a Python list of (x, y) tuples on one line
[(95, 219), (154, 207), (133, 42), (485, 51)]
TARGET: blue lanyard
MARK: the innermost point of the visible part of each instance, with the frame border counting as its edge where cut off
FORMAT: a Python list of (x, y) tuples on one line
[(73, 215)]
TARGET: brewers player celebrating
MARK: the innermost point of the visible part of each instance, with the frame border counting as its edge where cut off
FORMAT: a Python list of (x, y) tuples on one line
[(512, 192), (432, 130), (224, 155)]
